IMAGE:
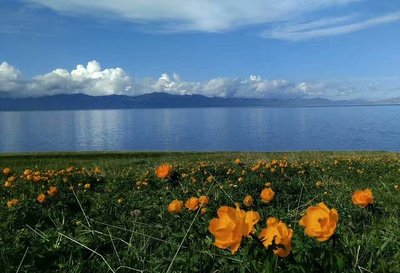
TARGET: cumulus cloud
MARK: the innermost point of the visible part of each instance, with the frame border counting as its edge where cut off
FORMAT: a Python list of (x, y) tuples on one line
[(194, 15), (90, 80), (252, 87), (95, 81), (10, 78)]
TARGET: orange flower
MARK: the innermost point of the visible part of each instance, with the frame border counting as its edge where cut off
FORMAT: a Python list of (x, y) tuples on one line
[(319, 222), (362, 198), (231, 225), (248, 201), (175, 206), (203, 200), (41, 198), (203, 211), (36, 178), (27, 172), (192, 203), (267, 195), (52, 191), (278, 234), (11, 203), (7, 171), (256, 167), (238, 161), (8, 184), (163, 171)]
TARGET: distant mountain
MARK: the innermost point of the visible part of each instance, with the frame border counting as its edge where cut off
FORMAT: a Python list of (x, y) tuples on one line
[(389, 101), (152, 100)]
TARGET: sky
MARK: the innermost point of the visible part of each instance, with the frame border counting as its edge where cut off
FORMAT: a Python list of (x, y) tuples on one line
[(335, 49)]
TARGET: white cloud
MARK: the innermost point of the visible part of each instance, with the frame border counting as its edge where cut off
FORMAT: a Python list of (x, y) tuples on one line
[(194, 15), (10, 78), (327, 27), (95, 81), (252, 87), (90, 80)]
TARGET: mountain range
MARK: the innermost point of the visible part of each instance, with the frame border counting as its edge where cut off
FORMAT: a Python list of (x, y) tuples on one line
[(153, 100)]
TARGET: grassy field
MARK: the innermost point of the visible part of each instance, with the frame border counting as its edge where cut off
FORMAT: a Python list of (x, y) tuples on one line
[(108, 211)]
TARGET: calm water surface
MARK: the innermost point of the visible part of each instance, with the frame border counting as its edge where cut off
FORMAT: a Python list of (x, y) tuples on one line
[(204, 129)]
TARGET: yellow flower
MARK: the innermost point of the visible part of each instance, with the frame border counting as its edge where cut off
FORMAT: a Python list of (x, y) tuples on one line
[(11, 179), (11, 203), (319, 222), (362, 198), (192, 203), (87, 186), (163, 171), (8, 184), (318, 184), (336, 162), (175, 206), (52, 191), (41, 198), (278, 234), (203, 200), (7, 171), (267, 195), (248, 201), (97, 170), (231, 225)]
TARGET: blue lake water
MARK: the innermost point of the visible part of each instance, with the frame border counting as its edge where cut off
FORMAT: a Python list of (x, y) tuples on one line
[(203, 129)]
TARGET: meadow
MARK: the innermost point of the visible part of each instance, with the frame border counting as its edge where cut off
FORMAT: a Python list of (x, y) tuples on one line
[(115, 212)]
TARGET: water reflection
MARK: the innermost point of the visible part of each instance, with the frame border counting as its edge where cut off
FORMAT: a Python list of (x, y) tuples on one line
[(252, 129)]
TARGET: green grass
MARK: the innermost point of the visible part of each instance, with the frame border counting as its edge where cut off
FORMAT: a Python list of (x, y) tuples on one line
[(121, 224)]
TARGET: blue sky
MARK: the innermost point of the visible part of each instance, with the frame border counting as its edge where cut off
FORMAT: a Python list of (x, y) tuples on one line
[(338, 49)]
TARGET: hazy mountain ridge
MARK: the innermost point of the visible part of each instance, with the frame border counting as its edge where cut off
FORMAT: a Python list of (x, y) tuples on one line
[(389, 101), (152, 100)]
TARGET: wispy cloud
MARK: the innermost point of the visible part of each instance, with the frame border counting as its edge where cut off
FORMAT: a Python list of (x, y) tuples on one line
[(194, 15), (327, 27)]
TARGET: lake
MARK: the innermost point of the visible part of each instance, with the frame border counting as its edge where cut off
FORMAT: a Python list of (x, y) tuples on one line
[(203, 129)]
